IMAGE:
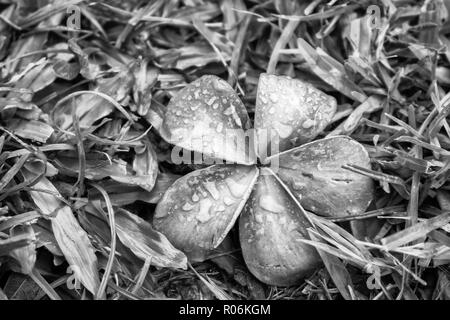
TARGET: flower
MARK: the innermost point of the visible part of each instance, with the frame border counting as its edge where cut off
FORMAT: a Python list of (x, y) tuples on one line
[(200, 208)]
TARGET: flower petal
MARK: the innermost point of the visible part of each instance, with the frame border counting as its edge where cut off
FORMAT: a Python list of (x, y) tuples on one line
[(314, 174), (294, 111), (207, 116), (270, 228), (199, 209)]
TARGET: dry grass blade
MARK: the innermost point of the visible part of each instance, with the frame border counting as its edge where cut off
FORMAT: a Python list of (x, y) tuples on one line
[(45, 286), (100, 94), (372, 104), (337, 271), (142, 274), (330, 70), (215, 289), (415, 232), (46, 12), (8, 176), (112, 223), (122, 291), (12, 243), (285, 36)]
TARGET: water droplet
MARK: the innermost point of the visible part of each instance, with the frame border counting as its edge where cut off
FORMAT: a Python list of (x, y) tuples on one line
[(298, 185), (187, 207), (284, 130), (204, 193), (195, 197), (195, 106), (294, 140), (219, 127), (232, 111), (229, 110), (211, 101), (274, 97), (221, 85), (203, 214), (212, 190), (308, 123), (236, 189), (263, 99), (228, 201), (215, 106), (192, 181), (269, 203), (283, 221), (272, 110), (260, 231)]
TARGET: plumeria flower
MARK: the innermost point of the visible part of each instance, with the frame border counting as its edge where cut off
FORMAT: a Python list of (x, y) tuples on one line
[(199, 209)]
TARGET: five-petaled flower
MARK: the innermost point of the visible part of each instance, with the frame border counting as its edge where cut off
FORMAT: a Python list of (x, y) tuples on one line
[(200, 208)]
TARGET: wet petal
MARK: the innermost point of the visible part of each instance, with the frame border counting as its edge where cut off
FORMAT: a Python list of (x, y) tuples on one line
[(294, 111), (199, 209), (207, 116), (314, 174), (270, 228)]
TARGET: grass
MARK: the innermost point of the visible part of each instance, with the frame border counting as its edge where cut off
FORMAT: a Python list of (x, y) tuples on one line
[(82, 165)]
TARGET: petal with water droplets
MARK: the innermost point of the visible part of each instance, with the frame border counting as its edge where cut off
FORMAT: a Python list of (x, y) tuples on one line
[(199, 209), (270, 228), (292, 110), (207, 116), (314, 174)]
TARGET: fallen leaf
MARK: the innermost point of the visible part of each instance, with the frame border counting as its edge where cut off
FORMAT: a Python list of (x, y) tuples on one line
[(146, 243), (71, 238)]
